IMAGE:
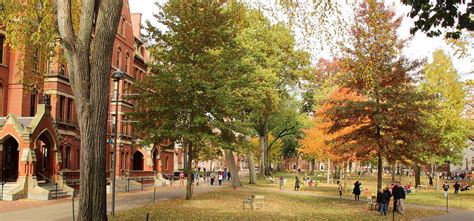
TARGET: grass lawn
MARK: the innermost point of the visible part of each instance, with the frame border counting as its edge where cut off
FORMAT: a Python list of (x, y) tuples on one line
[(226, 204), (429, 196)]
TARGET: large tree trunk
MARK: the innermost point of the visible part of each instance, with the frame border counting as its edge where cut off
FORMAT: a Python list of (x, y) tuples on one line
[(437, 177), (89, 72), (313, 163), (189, 178), (234, 175), (253, 175), (416, 168), (379, 171), (267, 157)]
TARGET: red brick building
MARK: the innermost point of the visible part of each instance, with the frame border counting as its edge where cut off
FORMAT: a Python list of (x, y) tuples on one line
[(40, 143)]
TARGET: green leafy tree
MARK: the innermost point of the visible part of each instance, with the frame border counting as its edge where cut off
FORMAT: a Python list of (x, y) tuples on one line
[(449, 121), (182, 100), (269, 50), (430, 15)]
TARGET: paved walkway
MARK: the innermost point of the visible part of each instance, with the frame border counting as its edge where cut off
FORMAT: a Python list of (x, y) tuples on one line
[(61, 210), (453, 215)]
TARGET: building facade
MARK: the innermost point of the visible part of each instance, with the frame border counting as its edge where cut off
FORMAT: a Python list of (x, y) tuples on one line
[(39, 134)]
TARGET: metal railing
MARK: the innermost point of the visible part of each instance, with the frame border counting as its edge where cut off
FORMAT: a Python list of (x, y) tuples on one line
[(51, 181)]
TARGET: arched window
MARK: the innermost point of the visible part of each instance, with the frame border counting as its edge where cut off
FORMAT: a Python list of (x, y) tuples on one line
[(117, 62), (122, 28)]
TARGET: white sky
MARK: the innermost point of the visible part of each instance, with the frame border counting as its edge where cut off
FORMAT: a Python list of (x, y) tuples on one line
[(420, 46)]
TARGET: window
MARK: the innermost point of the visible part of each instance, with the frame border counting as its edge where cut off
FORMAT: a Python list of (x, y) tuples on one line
[(32, 104), (126, 62), (117, 62), (122, 27), (61, 108), (2, 41), (68, 110), (67, 158)]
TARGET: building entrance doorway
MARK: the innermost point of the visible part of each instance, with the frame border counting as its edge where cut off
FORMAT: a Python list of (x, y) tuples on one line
[(137, 161), (10, 160)]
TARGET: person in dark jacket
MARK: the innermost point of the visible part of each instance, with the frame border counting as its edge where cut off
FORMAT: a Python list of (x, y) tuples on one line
[(456, 187), (398, 197), (384, 199), (297, 184), (356, 190)]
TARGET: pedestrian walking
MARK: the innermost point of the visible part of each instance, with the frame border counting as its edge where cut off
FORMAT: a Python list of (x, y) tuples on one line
[(281, 182), (339, 188), (356, 190), (456, 187), (181, 178), (297, 184), (384, 199), (220, 177), (445, 188), (213, 177), (398, 197)]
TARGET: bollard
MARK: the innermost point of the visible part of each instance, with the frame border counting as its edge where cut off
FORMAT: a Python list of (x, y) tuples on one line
[(56, 191), (142, 183), (128, 184)]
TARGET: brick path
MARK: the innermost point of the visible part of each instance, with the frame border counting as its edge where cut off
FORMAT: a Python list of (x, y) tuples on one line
[(61, 209)]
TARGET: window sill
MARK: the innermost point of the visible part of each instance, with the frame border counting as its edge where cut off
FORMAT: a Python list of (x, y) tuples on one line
[(3, 65)]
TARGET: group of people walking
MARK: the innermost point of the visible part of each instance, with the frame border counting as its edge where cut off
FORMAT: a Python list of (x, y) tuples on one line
[(384, 196), (218, 176)]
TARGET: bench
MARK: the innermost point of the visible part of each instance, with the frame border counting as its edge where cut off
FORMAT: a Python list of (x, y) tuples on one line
[(255, 202)]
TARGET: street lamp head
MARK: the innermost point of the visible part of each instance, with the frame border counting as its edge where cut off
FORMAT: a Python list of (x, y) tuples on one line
[(118, 75)]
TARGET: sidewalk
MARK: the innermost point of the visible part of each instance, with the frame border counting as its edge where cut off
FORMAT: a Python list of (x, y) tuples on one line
[(62, 209)]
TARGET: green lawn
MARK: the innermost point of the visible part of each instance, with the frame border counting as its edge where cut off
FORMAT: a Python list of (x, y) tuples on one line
[(429, 196), (226, 204)]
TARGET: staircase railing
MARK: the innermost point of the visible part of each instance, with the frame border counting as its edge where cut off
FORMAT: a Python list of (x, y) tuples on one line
[(4, 180), (51, 181)]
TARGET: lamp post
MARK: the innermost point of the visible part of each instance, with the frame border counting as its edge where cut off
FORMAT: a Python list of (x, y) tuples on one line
[(116, 77)]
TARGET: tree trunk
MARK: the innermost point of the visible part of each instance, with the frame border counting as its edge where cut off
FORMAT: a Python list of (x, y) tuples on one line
[(189, 178), (89, 72), (328, 170), (261, 170), (416, 168), (185, 157), (253, 176), (437, 177), (345, 178), (267, 157), (313, 163), (234, 175), (379, 171)]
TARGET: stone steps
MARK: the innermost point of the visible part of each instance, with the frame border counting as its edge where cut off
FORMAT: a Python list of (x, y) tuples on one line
[(6, 187), (51, 187)]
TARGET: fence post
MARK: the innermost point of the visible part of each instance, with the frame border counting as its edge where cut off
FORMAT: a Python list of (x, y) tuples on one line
[(154, 194), (142, 183), (56, 190), (128, 184)]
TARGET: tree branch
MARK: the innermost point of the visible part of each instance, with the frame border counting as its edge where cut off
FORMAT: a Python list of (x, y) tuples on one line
[(283, 133)]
